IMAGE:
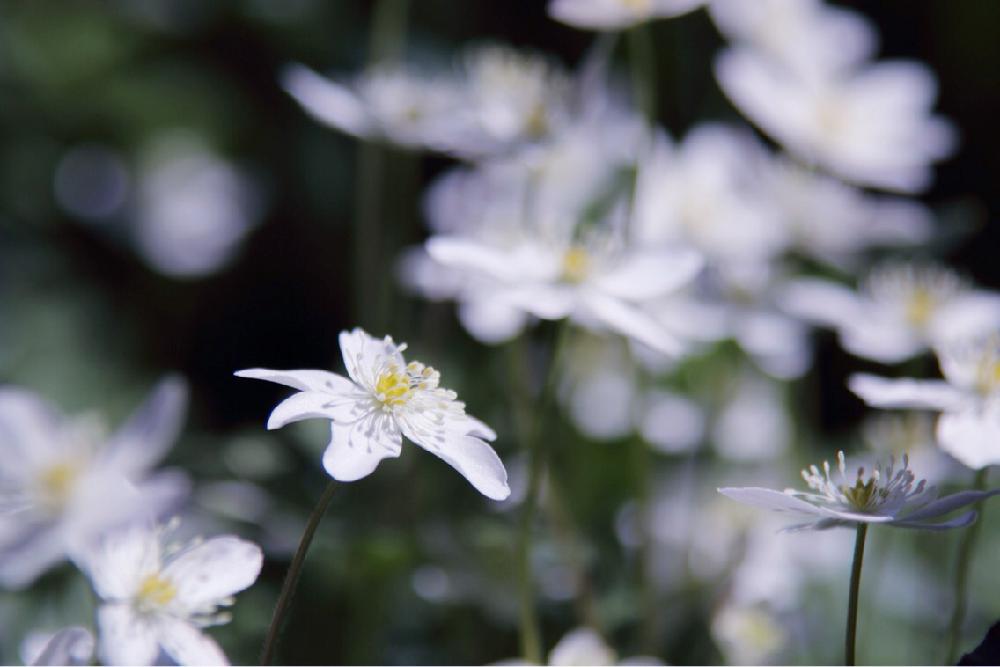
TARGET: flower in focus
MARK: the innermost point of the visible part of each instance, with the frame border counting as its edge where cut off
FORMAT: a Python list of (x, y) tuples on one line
[(62, 483), (617, 14), (899, 311), (70, 646), (158, 595), (886, 495), (968, 399), (385, 399), (870, 125)]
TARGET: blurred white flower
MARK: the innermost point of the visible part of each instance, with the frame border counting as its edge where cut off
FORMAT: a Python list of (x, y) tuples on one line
[(495, 99), (900, 310), (808, 36), (910, 433), (671, 423), (749, 634), (70, 646), (888, 495), (754, 424), (385, 399), (193, 208), (158, 595), (584, 646), (63, 483), (968, 399), (617, 14), (870, 125)]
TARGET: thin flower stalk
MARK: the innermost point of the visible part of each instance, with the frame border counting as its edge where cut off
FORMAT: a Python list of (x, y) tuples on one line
[(963, 562)]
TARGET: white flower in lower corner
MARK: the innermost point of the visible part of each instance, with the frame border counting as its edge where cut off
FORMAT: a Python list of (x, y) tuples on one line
[(384, 399), (968, 399), (70, 646), (156, 595), (886, 495), (63, 482), (617, 14), (899, 310), (584, 646)]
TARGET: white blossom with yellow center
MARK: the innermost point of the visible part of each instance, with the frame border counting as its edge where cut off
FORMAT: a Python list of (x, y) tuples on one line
[(968, 398), (384, 399), (160, 595), (883, 494)]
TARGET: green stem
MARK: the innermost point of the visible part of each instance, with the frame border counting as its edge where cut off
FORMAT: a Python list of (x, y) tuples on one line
[(293, 574), (643, 69), (852, 605), (965, 549)]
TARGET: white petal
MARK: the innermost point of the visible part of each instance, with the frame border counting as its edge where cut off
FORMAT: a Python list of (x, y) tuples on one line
[(125, 639), (364, 355), (921, 394), (958, 522), (769, 499), (948, 504), (188, 645), (581, 646), (972, 436), (213, 570), (32, 551), (351, 455), (28, 426), (69, 646), (303, 380), (303, 405), (631, 322), (490, 321), (325, 100), (472, 458), (647, 275), (820, 301), (150, 432), (117, 564)]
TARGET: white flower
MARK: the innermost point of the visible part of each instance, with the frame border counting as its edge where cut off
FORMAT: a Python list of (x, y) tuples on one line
[(887, 495), (871, 126), (899, 311), (809, 36), (70, 646), (62, 483), (753, 425), (617, 14), (384, 400), (584, 646), (749, 634), (156, 595), (968, 399)]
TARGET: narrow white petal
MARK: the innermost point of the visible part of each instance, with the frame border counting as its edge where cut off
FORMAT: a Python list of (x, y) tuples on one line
[(647, 275), (117, 564), (303, 380), (303, 405), (150, 432), (820, 301), (125, 639), (972, 436), (581, 646), (69, 646), (958, 522), (326, 101), (769, 499), (33, 551), (921, 394), (351, 456), (213, 570), (628, 320), (948, 504), (473, 459), (188, 645)]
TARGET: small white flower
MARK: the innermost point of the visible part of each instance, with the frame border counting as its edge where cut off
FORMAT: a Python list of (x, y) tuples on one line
[(899, 311), (886, 495), (749, 634), (617, 14), (157, 595), (584, 646), (63, 483), (384, 400), (871, 126), (70, 646), (968, 399)]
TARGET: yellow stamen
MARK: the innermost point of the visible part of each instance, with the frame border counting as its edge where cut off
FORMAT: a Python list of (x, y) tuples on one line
[(392, 387), (920, 307), (156, 591), (575, 264), (57, 482)]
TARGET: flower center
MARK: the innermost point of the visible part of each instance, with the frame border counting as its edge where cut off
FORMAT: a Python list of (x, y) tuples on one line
[(988, 375), (57, 483), (863, 495), (920, 307), (392, 387), (637, 6), (155, 591), (575, 264)]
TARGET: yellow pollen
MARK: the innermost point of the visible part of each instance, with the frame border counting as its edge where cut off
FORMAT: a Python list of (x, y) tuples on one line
[(156, 591), (920, 307), (392, 387), (988, 375), (636, 5), (57, 482), (575, 264)]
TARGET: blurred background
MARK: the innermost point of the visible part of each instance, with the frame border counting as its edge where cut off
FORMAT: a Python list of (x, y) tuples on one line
[(166, 206)]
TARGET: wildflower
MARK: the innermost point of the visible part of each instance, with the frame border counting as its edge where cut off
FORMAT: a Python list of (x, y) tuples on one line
[(884, 495), (899, 311), (617, 14), (157, 595), (583, 646), (869, 125), (384, 400), (63, 483), (968, 399), (70, 646)]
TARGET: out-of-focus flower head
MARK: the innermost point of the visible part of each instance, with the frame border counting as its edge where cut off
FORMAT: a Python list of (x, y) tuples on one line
[(70, 646), (63, 483), (617, 14), (899, 311), (384, 399), (753, 425), (160, 595), (887, 495), (585, 646), (968, 398), (870, 124), (749, 634)]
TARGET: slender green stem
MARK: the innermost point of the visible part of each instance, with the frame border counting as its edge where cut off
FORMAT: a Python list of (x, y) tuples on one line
[(852, 605), (643, 69), (965, 549), (293, 574)]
